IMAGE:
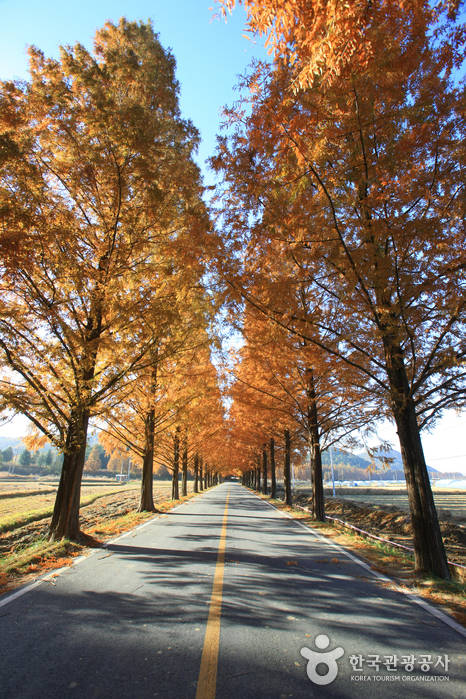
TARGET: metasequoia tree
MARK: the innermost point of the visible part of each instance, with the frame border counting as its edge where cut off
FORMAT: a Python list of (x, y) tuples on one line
[(93, 461), (262, 406), (320, 38), (155, 396), (288, 382), (257, 417), (120, 461), (247, 443), (135, 417), (359, 184), (107, 171), (180, 402), (197, 413)]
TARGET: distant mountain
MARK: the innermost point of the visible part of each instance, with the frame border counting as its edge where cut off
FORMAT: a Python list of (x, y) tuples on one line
[(13, 442), (349, 466), (397, 465), (17, 443), (396, 461), (345, 458)]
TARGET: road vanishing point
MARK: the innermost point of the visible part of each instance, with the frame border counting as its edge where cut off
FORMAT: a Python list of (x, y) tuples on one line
[(227, 597)]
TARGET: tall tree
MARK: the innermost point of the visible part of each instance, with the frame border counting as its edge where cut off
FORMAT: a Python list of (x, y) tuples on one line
[(358, 183), (93, 461), (319, 39), (110, 170), (284, 382), (185, 394)]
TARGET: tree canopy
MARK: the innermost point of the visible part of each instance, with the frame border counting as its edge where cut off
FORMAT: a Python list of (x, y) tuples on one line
[(338, 252)]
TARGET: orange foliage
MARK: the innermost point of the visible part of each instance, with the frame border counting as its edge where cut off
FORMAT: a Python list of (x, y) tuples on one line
[(320, 38), (351, 190)]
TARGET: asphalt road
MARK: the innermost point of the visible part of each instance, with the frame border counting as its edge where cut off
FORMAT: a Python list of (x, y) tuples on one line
[(218, 598)]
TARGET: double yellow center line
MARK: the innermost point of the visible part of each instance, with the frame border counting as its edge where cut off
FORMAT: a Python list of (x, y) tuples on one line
[(207, 681)]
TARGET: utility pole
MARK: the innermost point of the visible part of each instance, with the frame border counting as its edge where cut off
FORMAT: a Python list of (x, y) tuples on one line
[(331, 467)]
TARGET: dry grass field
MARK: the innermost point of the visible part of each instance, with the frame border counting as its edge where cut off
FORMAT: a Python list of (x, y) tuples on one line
[(26, 500), (450, 504)]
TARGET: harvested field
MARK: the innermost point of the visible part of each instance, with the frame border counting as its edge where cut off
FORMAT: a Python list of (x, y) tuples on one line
[(391, 523), (20, 507), (16, 485), (102, 511), (451, 505), (25, 551)]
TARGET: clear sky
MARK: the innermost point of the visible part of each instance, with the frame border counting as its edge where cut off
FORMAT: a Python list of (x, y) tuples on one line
[(210, 55)]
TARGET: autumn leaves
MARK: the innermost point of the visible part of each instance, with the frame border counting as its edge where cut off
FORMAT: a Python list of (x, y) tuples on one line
[(339, 225), (342, 203), (104, 316)]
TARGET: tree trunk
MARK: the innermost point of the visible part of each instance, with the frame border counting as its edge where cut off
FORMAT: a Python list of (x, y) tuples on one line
[(201, 474), (65, 518), (264, 470), (184, 469), (429, 551), (196, 473), (272, 468), (258, 479), (287, 468), (146, 503), (176, 465), (318, 506)]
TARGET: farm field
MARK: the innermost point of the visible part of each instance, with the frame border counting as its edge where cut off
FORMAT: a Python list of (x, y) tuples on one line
[(450, 504), (12, 483), (30, 500), (106, 510), (386, 514)]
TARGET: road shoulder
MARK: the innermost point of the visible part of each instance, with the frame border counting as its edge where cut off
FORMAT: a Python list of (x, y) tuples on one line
[(394, 569)]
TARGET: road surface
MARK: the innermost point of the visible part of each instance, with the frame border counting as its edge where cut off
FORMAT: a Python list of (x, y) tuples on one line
[(218, 599)]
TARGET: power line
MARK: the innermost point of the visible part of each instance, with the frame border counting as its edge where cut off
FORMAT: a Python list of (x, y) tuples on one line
[(444, 458)]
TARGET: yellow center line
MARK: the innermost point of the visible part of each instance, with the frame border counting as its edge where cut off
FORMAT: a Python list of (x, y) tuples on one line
[(207, 681)]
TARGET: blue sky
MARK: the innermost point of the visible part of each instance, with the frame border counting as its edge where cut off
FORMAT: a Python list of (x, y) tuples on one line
[(210, 55)]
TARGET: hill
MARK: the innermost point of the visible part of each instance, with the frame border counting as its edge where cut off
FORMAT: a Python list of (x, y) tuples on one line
[(13, 442), (348, 466)]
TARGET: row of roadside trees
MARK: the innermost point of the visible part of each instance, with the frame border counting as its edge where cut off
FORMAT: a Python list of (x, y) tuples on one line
[(343, 208), (341, 251), (105, 318)]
